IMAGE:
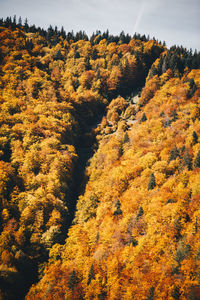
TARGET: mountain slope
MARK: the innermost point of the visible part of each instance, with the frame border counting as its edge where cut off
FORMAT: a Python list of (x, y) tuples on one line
[(74, 124), (137, 224)]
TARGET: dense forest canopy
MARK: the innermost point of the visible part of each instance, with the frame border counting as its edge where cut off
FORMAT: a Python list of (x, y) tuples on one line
[(99, 166)]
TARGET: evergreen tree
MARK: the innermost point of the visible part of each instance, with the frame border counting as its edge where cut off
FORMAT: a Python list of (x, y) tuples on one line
[(173, 62), (63, 33), (29, 45), (194, 138), (174, 153), (58, 55), (14, 20), (192, 89), (13, 23), (197, 160), (49, 33), (70, 36), (26, 24), (187, 161), (88, 66), (151, 293), (94, 54), (140, 212), (152, 182), (20, 21), (183, 149), (77, 54), (126, 138), (76, 84), (165, 65), (122, 37), (153, 71), (118, 210), (133, 242), (176, 293), (143, 119), (91, 275), (73, 280), (174, 116), (196, 226), (8, 21), (159, 66)]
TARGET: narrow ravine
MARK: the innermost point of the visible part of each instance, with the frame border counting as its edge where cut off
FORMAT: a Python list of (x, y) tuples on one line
[(85, 147)]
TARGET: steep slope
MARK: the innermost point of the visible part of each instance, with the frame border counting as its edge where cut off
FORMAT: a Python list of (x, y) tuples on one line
[(136, 233), (53, 88)]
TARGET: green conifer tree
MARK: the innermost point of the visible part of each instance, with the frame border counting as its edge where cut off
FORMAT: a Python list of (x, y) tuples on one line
[(77, 54), (143, 119), (118, 210), (140, 212), (126, 138), (174, 153), (192, 89), (20, 21), (187, 161), (194, 138), (152, 182), (91, 275), (73, 280), (197, 160)]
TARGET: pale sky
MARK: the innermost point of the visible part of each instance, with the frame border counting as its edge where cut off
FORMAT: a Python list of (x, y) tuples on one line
[(175, 21)]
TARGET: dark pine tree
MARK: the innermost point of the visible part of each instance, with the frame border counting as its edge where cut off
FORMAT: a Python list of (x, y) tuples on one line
[(194, 138), (20, 21), (151, 293), (140, 213), (133, 242), (174, 116), (94, 54), (192, 89), (143, 119), (8, 21), (126, 138), (77, 54), (187, 161), (152, 182), (174, 153), (196, 226), (159, 66), (197, 160), (176, 293), (118, 210), (14, 20), (91, 275), (73, 280), (63, 33), (58, 55), (153, 71), (173, 62)]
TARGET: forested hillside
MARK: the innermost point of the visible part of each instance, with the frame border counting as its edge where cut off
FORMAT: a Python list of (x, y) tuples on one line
[(99, 166)]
